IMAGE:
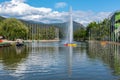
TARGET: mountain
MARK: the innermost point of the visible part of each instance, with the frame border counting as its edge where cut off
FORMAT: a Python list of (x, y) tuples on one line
[(63, 27), (66, 25), (1, 18)]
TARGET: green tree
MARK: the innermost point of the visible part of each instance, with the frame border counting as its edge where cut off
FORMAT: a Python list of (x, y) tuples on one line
[(99, 31), (12, 29), (80, 34), (91, 30)]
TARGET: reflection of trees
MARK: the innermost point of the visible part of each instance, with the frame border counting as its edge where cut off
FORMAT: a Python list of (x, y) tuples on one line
[(10, 58), (109, 54), (42, 49)]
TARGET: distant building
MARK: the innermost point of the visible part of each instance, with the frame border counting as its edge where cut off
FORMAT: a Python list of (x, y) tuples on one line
[(115, 27)]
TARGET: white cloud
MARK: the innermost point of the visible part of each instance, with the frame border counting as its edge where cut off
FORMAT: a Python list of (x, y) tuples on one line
[(14, 8), (18, 1), (60, 5), (89, 16), (21, 10)]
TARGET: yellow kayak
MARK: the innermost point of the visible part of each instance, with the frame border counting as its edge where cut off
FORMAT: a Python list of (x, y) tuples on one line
[(71, 44)]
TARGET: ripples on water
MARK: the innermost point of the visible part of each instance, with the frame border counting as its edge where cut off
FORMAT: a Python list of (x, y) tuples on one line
[(53, 61)]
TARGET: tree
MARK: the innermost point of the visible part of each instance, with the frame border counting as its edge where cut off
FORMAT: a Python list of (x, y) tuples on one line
[(99, 31), (80, 34), (47, 33), (92, 30), (12, 29)]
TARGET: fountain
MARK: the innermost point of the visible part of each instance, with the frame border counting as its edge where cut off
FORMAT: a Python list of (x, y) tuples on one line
[(70, 32)]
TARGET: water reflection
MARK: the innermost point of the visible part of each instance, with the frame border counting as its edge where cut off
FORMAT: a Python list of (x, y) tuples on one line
[(19, 50), (70, 52), (109, 54), (12, 56), (51, 61)]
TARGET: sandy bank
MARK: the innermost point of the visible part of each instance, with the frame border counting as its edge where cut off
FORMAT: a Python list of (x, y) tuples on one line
[(12, 42), (41, 40)]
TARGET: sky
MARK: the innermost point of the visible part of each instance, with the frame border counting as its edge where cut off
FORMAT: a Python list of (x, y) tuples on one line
[(55, 11)]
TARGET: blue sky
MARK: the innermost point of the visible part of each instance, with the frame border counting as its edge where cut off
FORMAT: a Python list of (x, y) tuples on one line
[(52, 11), (85, 5)]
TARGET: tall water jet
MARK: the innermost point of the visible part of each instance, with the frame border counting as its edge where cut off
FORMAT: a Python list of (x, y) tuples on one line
[(71, 27), (70, 31)]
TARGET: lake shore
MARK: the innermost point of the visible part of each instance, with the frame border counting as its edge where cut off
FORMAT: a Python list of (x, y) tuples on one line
[(56, 40), (12, 42), (105, 42), (41, 40)]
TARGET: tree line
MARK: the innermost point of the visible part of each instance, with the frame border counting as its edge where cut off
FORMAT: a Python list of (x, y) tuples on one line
[(12, 29), (99, 30), (41, 33), (94, 31)]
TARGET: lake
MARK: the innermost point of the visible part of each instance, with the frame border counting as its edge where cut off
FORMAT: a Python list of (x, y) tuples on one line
[(54, 61)]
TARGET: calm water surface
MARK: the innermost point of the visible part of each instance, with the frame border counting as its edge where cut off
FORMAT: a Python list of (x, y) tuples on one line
[(53, 61)]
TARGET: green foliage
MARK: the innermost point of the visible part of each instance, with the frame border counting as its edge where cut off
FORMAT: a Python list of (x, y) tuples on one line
[(47, 33), (91, 28), (99, 31), (117, 20), (1, 18), (41, 33), (117, 16), (12, 29), (80, 34)]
